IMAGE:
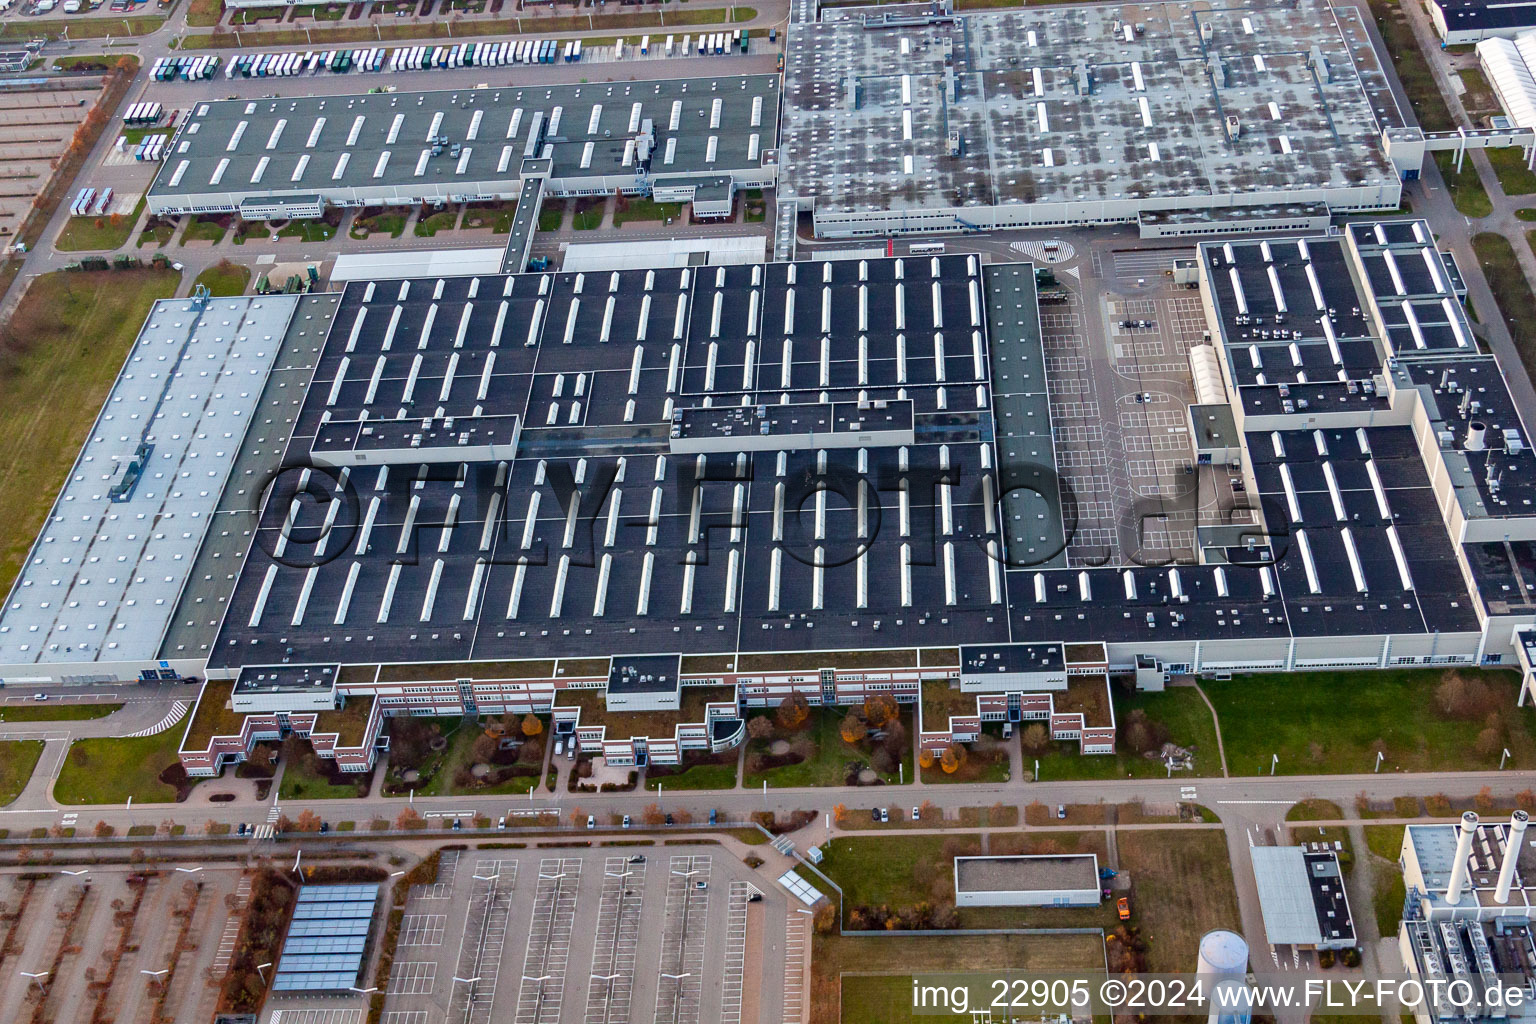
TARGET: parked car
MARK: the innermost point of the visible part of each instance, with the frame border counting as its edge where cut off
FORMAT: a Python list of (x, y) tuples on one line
[(714, 816), (638, 858), (669, 819), (457, 824), (1061, 810), (39, 696), (917, 814), (874, 815), (885, 815), (325, 827), (591, 821), (559, 747), (701, 884), (501, 823), (626, 821), (1123, 908)]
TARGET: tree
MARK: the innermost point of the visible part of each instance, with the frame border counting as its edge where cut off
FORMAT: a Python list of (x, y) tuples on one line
[(652, 814), (839, 813), (1035, 738), (408, 819), (952, 758), (102, 830), (928, 810), (759, 727), (1464, 698), (1488, 742), (925, 757), (307, 821), (793, 713), (261, 757), (484, 748), (532, 725), (285, 823), (853, 729), (879, 709)]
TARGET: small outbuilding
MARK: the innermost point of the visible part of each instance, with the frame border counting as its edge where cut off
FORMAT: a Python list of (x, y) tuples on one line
[(1041, 880)]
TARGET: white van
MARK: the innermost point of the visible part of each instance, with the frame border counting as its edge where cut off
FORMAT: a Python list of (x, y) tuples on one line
[(559, 748)]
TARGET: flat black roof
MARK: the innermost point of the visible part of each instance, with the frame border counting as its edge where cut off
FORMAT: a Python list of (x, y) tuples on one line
[(255, 679), (980, 659), (1475, 15), (655, 673)]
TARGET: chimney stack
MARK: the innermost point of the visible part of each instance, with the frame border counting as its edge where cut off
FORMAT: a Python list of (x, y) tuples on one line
[(1463, 854), (1517, 824), (1476, 431)]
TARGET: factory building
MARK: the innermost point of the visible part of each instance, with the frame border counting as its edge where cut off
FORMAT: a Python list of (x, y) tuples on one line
[(646, 501), (1463, 22), (696, 140), (1242, 118)]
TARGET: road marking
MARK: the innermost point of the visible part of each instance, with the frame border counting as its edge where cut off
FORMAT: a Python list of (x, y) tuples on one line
[(1277, 803)]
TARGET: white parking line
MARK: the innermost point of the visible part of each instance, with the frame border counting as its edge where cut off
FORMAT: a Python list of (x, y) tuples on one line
[(413, 978), (422, 929), (615, 942)]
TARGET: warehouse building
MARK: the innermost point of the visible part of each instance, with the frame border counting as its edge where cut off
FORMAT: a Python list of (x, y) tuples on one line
[(696, 140), (1302, 897), (1463, 22), (928, 120), (1043, 880), (646, 501)]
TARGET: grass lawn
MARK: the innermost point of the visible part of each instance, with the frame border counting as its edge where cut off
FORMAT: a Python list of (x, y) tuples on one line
[(1412, 69), (647, 209), (204, 13), (225, 278), (1329, 722), (1181, 888), (82, 233), (1509, 165), (443, 221), (1478, 98), (247, 230), (56, 712), (551, 215), (700, 776), (1315, 810), (496, 216), (866, 980), (391, 224), (199, 230), (985, 762), (1466, 188), (299, 783), (1528, 213), (109, 771), (17, 760), (157, 236), (1386, 844), (589, 214), (72, 332), (1179, 708), (461, 734), (307, 230), (828, 766), (1510, 291)]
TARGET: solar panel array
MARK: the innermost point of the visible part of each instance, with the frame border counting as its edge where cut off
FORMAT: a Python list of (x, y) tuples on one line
[(327, 938)]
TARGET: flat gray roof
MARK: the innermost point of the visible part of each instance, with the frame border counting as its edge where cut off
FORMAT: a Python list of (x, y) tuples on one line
[(1056, 104), (103, 578), (1044, 872), (300, 144), (1285, 895)]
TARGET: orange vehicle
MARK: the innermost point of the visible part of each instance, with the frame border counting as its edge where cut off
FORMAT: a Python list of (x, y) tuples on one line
[(1123, 908)]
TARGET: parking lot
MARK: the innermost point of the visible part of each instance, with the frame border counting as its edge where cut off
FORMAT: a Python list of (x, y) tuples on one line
[(606, 935), (1120, 383), (72, 935)]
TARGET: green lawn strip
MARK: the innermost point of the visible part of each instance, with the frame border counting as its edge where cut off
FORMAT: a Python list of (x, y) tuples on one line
[(302, 782), (1385, 843), (307, 230), (1181, 888), (1466, 188), (56, 712), (1478, 98), (199, 230), (551, 215), (1333, 722), (1315, 810), (1514, 177), (84, 234), (1511, 291), (1179, 709), (391, 224), (827, 765), (869, 977), (225, 278), (204, 13), (109, 771), (85, 28), (1412, 69), (71, 333), (646, 209), (17, 760), (93, 61), (442, 221), (588, 215), (700, 776)]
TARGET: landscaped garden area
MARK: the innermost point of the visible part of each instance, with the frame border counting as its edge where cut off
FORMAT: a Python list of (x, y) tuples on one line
[(797, 745)]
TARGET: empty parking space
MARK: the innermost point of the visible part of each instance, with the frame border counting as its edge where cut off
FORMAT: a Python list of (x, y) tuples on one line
[(549, 941), (616, 940), (682, 942), (478, 974), (413, 978), (422, 929)]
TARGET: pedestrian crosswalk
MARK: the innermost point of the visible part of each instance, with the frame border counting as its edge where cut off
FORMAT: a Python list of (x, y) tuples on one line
[(178, 710)]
